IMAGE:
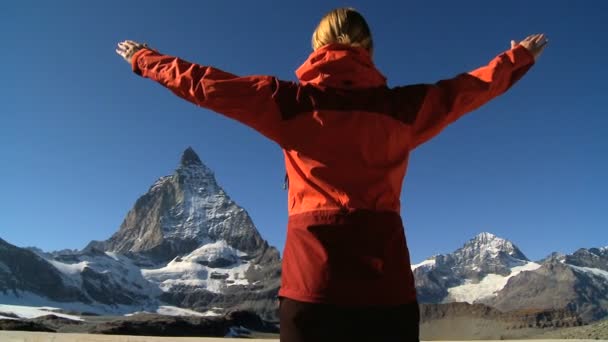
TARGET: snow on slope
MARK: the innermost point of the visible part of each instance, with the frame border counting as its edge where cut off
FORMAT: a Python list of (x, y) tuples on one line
[(175, 311), (594, 271), (120, 268), (204, 206), (428, 263), (22, 298), (168, 310), (191, 270), (71, 272), (487, 287), (68, 269), (33, 312), (38, 306), (214, 251)]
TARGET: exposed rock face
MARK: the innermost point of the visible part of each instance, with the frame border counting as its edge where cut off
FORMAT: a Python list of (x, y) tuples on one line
[(463, 321), (553, 283), (23, 270), (518, 319), (557, 285), (592, 258)]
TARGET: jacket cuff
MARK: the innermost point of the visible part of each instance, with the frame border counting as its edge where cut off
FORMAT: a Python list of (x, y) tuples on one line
[(138, 65), (522, 56)]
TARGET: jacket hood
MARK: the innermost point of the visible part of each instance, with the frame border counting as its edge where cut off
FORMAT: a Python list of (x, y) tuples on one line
[(340, 66)]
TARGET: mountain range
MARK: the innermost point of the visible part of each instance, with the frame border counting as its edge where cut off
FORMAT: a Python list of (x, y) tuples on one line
[(187, 248), (493, 271)]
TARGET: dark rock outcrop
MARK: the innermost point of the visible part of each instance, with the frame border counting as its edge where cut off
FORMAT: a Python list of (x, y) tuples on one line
[(518, 319), (23, 325), (156, 325)]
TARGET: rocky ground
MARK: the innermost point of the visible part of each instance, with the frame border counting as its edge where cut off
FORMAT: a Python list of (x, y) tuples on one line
[(458, 321), (465, 321), (20, 336), (236, 324), (595, 331), (23, 336)]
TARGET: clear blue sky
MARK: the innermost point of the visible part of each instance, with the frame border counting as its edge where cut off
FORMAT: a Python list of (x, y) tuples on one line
[(81, 137)]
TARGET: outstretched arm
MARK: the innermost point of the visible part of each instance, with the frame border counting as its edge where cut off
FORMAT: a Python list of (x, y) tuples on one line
[(445, 101), (248, 100)]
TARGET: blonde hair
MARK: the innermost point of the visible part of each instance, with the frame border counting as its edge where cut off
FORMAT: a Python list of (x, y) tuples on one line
[(343, 26)]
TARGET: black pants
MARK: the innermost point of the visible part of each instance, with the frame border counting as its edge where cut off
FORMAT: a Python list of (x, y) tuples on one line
[(310, 322)]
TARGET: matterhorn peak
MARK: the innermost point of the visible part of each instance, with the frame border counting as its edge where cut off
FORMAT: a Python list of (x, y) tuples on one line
[(193, 172), (189, 157), (182, 211)]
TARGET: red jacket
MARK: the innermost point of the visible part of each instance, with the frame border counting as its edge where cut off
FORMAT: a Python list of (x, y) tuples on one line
[(346, 138)]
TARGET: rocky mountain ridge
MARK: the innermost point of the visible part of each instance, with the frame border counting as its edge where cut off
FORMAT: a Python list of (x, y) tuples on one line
[(186, 244)]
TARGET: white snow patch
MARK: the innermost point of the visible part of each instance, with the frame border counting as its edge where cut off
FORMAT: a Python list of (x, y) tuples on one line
[(594, 271), (429, 263), (21, 298), (68, 269), (33, 312), (175, 311), (4, 317), (113, 255), (188, 271), (119, 269), (211, 313), (488, 287), (214, 251)]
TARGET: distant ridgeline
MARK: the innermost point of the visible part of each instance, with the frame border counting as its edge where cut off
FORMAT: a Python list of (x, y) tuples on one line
[(185, 245)]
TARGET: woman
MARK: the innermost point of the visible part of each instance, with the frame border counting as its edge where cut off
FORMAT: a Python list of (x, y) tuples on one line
[(346, 138)]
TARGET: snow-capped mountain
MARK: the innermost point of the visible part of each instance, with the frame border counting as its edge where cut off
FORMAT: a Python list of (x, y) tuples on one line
[(184, 243), (183, 211), (493, 271), (484, 262), (589, 258)]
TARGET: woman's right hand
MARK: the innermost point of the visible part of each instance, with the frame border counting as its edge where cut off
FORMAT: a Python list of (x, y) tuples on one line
[(535, 43), (126, 49)]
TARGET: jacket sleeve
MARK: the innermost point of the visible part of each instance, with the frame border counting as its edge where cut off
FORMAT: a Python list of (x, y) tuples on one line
[(248, 100), (447, 100)]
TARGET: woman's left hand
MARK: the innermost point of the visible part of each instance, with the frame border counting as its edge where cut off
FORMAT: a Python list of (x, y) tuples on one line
[(128, 48)]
